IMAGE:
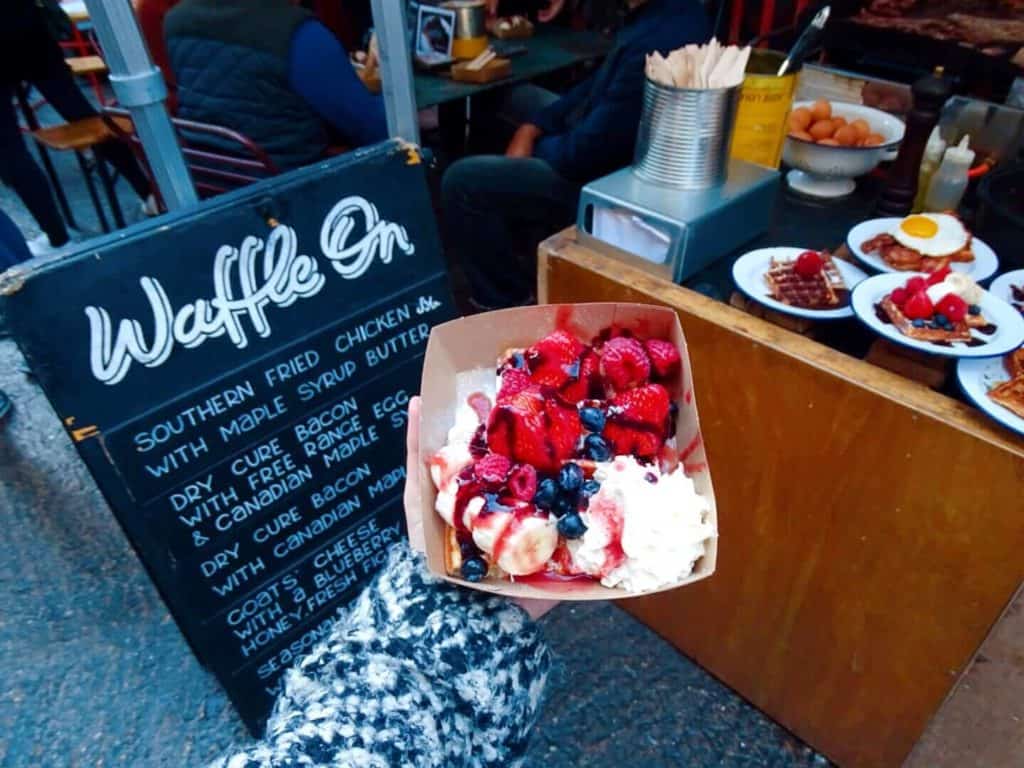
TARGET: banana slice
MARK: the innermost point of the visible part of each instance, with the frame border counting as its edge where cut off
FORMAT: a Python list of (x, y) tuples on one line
[(527, 546)]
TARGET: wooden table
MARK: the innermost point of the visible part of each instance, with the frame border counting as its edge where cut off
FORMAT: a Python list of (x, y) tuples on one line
[(549, 50), (871, 537)]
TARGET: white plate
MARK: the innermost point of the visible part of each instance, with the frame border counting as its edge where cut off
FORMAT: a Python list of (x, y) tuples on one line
[(748, 274), (1000, 287), (985, 263), (1009, 324), (976, 378)]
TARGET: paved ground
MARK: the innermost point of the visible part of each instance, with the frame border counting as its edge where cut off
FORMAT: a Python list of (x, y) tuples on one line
[(95, 673)]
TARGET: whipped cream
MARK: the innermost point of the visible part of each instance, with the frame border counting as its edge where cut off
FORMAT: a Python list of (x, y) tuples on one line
[(957, 283), (642, 535)]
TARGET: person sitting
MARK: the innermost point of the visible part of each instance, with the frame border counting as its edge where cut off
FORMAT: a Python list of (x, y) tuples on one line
[(533, 190), (269, 70)]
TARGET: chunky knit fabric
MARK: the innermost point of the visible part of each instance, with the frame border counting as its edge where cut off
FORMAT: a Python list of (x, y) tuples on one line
[(417, 673)]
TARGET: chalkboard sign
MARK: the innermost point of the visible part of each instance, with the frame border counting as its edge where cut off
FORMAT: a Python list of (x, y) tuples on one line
[(236, 377)]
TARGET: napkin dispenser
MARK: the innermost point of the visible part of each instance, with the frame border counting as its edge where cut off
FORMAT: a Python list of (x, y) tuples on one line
[(676, 232)]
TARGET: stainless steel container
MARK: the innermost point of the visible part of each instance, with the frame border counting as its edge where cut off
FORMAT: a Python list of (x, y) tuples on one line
[(470, 16), (684, 135)]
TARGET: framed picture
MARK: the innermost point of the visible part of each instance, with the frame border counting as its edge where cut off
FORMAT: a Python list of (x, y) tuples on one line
[(435, 31)]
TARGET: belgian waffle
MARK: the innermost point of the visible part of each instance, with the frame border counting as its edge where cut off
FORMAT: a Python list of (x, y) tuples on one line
[(1010, 395), (820, 291), (959, 332)]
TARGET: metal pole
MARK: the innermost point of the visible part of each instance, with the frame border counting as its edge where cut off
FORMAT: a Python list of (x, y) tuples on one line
[(396, 69), (140, 88)]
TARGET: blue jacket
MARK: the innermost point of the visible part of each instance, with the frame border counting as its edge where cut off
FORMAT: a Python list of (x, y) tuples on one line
[(591, 130)]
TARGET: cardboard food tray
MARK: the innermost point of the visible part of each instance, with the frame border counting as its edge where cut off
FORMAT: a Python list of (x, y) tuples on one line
[(495, 69), (474, 344)]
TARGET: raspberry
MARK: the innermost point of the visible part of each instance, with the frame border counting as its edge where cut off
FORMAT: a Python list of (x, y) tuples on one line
[(938, 275), (899, 296), (638, 421), (522, 483), (953, 307), (664, 357), (553, 360), (918, 306), (493, 469), (914, 285), (513, 381), (808, 264), (624, 363)]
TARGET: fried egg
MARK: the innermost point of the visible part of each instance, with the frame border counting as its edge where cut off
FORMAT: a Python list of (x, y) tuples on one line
[(933, 234)]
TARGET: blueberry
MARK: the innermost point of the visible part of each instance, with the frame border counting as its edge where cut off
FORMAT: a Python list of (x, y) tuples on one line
[(974, 309), (570, 477), (566, 505), (571, 526), (547, 492), (596, 448), (592, 419), (590, 488), (918, 323), (474, 569), (518, 361), (941, 320)]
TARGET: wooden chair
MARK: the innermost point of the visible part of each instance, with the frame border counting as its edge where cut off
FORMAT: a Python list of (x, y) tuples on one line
[(218, 158)]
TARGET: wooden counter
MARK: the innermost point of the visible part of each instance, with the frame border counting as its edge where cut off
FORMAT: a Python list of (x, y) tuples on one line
[(871, 530)]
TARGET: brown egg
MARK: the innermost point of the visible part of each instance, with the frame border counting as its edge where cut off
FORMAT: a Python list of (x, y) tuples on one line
[(800, 119), (846, 136), (838, 122), (821, 110), (804, 135), (829, 143), (873, 140), (862, 127), (821, 129)]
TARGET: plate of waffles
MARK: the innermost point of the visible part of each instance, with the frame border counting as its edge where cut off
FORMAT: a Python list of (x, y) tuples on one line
[(810, 284), (945, 313), (923, 242), (996, 386), (1009, 287)]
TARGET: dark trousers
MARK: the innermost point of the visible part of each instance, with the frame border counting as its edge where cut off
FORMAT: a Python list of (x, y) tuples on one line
[(20, 171), (496, 211)]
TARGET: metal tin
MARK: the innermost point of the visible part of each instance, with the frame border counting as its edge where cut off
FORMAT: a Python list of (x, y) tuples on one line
[(684, 135), (470, 16)]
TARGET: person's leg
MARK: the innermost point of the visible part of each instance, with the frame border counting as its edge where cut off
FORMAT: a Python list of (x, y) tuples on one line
[(20, 172), (66, 97), (487, 203)]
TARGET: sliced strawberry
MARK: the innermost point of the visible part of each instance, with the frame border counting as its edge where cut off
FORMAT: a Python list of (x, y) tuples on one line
[(664, 357), (533, 429), (584, 381), (493, 469), (638, 421), (918, 306), (915, 284), (899, 296), (624, 363), (513, 381), (938, 275), (554, 359), (953, 307), (522, 483)]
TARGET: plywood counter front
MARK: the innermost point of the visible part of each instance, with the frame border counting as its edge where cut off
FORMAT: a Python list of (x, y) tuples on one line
[(871, 530)]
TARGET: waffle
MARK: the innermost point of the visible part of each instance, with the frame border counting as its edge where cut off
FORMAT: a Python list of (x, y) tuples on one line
[(820, 291), (1010, 395), (960, 331)]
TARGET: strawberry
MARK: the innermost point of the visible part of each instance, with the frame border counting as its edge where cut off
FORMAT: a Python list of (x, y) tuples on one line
[(899, 296), (532, 429), (808, 264), (918, 306), (914, 285), (638, 421), (953, 307), (493, 469), (624, 363), (553, 359), (522, 483), (664, 357), (513, 381), (584, 380), (938, 275)]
